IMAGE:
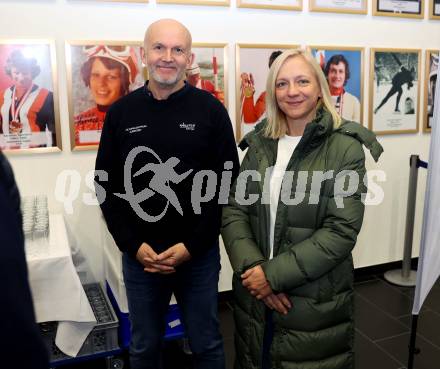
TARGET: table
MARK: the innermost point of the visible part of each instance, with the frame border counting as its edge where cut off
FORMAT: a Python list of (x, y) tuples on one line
[(56, 289)]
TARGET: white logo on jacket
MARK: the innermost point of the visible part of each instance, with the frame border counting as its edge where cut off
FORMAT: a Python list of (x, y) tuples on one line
[(136, 129), (187, 126)]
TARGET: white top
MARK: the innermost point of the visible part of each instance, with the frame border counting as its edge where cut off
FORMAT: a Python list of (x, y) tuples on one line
[(286, 146), (348, 107)]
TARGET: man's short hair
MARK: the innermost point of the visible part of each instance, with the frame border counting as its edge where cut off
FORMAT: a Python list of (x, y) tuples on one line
[(336, 59), (20, 62)]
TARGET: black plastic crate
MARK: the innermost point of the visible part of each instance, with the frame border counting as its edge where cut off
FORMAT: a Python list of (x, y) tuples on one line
[(103, 337)]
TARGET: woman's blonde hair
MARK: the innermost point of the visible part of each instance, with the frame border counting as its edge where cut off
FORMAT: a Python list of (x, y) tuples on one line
[(276, 120)]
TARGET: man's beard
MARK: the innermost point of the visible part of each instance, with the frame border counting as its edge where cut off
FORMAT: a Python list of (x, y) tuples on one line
[(165, 82)]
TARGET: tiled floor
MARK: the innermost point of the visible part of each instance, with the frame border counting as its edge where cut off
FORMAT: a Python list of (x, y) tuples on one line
[(382, 318)]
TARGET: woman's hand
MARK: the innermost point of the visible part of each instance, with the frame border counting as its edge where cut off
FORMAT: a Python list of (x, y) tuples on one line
[(279, 302), (255, 281)]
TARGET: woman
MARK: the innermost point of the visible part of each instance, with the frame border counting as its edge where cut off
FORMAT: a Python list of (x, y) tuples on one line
[(26, 109), (108, 72), (293, 269)]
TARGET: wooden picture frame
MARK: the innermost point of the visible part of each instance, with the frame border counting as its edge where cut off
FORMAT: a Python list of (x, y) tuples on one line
[(271, 4), (394, 91), (196, 2), (209, 70), (431, 69), (434, 9), (338, 6), (124, 1), (98, 73), (399, 8), (251, 70), (28, 77), (350, 62)]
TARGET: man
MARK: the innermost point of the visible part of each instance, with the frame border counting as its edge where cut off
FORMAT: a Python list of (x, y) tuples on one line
[(337, 71), (409, 106), (21, 344), (167, 248)]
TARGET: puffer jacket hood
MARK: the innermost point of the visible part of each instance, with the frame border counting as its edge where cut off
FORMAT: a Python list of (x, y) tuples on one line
[(364, 136), (322, 125)]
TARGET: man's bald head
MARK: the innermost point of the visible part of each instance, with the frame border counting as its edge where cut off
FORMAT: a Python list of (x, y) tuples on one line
[(169, 26), (167, 53)]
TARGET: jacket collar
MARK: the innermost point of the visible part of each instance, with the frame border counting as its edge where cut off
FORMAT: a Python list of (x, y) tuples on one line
[(319, 128), (175, 95), (316, 131)]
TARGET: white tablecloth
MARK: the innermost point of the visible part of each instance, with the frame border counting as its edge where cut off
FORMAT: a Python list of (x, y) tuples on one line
[(56, 289)]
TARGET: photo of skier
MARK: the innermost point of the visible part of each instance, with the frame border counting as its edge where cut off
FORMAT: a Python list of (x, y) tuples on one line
[(100, 73), (207, 71)]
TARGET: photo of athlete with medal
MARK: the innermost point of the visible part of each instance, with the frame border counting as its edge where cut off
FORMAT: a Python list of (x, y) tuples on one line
[(15, 126), (27, 112), (252, 66)]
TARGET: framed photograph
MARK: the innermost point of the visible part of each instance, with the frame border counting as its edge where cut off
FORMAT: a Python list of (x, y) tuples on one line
[(252, 67), (394, 91), (399, 8), (196, 2), (344, 70), (339, 6), (209, 70), (271, 4), (98, 74), (125, 1), (434, 9), (431, 70), (29, 111)]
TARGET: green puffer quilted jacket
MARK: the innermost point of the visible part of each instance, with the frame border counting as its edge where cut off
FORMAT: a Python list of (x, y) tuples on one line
[(313, 241)]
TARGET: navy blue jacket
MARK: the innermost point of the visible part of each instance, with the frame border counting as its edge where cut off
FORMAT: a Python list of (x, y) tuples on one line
[(21, 345)]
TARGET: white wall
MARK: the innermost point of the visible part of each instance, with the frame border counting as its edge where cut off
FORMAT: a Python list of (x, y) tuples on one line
[(381, 239)]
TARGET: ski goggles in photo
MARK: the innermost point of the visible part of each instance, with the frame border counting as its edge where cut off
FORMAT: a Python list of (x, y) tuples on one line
[(123, 54)]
